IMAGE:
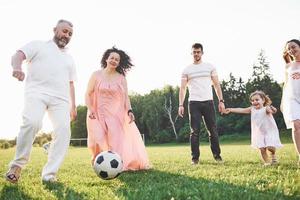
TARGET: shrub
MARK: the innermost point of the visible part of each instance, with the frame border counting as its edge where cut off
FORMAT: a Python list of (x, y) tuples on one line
[(184, 133), (163, 137), (5, 145)]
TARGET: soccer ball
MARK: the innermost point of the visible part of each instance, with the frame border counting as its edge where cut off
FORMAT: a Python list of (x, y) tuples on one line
[(108, 165)]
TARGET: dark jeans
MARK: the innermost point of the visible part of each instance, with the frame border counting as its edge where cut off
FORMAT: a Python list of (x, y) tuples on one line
[(197, 110)]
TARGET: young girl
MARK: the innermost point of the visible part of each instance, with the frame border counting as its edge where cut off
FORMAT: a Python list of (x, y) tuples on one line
[(264, 131)]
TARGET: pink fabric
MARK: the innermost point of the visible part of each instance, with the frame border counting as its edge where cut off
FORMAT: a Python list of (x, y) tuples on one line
[(111, 129)]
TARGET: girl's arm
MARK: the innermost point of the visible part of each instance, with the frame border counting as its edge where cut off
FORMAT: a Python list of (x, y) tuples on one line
[(271, 109), (238, 110)]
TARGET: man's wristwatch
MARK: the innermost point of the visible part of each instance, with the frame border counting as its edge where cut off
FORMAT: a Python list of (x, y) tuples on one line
[(221, 101)]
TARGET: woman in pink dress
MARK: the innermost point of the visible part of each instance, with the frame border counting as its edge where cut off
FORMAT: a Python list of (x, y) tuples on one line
[(264, 131), (110, 120)]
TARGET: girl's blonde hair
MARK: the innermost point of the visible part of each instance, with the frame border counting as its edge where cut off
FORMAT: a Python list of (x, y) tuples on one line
[(265, 97)]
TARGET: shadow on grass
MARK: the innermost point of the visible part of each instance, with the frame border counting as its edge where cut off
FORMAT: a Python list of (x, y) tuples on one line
[(12, 192), (156, 185), (15, 192), (63, 192)]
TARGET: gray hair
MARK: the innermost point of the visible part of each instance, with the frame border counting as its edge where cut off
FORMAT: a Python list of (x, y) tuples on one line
[(64, 21)]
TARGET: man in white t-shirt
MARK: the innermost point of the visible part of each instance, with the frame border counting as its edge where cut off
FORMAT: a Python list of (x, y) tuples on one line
[(49, 87), (199, 77)]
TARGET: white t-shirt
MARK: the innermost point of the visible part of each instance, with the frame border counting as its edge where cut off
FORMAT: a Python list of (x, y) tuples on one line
[(199, 81), (50, 69)]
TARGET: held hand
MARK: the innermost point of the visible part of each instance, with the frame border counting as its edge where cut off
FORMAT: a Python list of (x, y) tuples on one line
[(227, 111), (221, 107), (180, 111), (18, 74), (296, 75), (73, 113), (131, 117)]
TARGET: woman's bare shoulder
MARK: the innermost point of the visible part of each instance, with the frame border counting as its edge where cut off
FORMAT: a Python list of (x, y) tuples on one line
[(97, 73)]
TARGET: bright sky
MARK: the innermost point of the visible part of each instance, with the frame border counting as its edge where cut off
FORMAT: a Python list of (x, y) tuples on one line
[(157, 34)]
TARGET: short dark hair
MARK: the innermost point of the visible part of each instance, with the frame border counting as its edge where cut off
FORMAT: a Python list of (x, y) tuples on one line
[(197, 46), (64, 21)]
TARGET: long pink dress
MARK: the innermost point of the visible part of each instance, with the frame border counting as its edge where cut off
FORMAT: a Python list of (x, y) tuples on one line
[(111, 129)]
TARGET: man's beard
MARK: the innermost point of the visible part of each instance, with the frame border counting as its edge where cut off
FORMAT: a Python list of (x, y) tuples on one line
[(61, 42)]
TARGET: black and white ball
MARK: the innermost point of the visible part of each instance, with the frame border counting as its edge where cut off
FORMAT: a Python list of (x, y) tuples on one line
[(108, 165)]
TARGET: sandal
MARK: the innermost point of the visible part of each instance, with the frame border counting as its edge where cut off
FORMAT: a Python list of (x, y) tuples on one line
[(13, 174)]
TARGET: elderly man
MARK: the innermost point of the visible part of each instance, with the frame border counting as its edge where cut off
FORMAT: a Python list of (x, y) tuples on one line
[(49, 87)]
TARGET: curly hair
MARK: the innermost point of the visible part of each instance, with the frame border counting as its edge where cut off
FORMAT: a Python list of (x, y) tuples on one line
[(125, 61), (262, 95)]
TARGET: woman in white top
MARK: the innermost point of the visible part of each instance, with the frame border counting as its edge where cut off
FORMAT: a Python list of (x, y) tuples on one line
[(290, 103)]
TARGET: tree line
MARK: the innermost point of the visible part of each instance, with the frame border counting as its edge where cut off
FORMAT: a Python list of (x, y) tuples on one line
[(156, 112)]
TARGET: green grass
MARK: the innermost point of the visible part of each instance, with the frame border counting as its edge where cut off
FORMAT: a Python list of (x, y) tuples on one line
[(171, 177)]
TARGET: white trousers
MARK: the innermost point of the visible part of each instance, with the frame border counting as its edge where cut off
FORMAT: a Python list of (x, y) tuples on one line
[(35, 106)]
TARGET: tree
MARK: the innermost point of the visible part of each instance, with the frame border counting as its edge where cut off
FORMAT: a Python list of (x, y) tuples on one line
[(138, 110), (78, 126), (156, 112), (42, 138), (169, 109), (261, 67)]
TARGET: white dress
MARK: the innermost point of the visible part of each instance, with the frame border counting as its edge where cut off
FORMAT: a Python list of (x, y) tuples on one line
[(264, 131), (291, 97)]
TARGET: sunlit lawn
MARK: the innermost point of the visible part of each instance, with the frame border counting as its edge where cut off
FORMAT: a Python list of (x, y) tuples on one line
[(242, 176)]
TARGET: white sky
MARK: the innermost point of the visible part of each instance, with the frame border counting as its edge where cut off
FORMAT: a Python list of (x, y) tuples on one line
[(157, 34)]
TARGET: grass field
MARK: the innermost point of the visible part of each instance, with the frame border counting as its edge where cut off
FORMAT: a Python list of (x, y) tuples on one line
[(242, 176)]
